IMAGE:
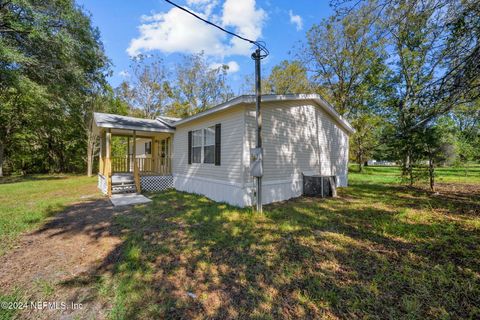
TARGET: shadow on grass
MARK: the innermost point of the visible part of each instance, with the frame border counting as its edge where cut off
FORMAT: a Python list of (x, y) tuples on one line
[(184, 256), (94, 218), (453, 199)]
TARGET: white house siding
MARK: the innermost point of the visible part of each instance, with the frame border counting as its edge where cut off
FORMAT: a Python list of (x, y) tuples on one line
[(333, 146), (140, 147), (220, 183), (298, 137)]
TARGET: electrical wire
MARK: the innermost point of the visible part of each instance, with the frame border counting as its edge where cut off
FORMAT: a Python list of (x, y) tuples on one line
[(260, 44)]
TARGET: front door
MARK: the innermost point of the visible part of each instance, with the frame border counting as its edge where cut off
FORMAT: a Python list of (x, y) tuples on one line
[(164, 156)]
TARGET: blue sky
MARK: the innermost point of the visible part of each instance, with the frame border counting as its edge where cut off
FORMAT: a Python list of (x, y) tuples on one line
[(155, 27)]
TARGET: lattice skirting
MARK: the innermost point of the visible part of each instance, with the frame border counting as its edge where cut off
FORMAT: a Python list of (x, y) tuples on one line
[(156, 183), (102, 184)]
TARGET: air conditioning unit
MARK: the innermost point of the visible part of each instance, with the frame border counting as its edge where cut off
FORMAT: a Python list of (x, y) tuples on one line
[(319, 186)]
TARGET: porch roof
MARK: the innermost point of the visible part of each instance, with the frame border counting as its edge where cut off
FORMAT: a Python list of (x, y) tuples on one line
[(114, 121)]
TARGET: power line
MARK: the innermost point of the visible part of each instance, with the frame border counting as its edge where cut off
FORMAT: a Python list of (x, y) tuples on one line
[(259, 44), (257, 56)]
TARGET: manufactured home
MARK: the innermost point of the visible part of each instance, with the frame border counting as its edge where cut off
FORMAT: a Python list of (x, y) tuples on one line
[(209, 152)]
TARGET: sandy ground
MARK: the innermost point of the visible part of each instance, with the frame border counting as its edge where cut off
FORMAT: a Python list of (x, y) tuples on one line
[(50, 263)]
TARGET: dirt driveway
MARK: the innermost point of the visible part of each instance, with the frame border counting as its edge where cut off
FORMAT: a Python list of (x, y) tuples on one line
[(81, 242)]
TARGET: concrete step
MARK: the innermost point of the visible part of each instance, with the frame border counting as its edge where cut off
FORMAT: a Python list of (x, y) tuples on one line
[(119, 178), (123, 188)]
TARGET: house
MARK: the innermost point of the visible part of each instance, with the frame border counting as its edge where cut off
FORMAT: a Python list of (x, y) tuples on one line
[(209, 153)]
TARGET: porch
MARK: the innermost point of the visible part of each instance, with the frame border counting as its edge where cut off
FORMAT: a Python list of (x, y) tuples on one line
[(143, 163)]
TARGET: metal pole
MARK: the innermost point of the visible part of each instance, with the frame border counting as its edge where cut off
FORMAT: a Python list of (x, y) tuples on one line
[(256, 56)]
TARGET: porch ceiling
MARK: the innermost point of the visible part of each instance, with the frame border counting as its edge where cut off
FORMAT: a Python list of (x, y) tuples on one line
[(140, 134), (124, 124)]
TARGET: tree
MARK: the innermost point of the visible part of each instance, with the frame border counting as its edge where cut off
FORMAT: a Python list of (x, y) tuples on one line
[(437, 143), (287, 77), (99, 102), (346, 57), (467, 121), (366, 138), (192, 87), (18, 102), (148, 90), (198, 86), (434, 54), (51, 59)]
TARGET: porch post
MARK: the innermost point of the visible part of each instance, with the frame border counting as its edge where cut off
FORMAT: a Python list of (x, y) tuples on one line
[(108, 150), (134, 151), (100, 154), (154, 151), (136, 173), (170, 154), (128, 154)]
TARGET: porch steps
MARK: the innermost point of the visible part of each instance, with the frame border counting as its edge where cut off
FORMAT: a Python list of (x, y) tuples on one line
[(123, 183)]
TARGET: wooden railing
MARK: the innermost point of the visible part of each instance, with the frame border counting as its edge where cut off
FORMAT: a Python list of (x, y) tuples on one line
[(163, 168), (122, 164), (145, 165)]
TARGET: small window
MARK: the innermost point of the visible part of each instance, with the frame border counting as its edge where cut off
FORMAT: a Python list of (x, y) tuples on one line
[(209, 145), (148, 147), (197, 146)]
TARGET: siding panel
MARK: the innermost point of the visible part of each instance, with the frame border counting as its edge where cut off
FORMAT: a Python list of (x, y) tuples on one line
[(230, 168), (298, 137)]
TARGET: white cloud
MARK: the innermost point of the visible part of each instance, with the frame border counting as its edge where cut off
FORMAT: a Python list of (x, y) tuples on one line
[(246, 21), (124, 74), (177, 31), (296, 20), (206, 6), (232, 66), (197, 2)]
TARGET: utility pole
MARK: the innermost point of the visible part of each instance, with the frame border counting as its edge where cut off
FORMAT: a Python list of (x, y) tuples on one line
[(256, 155), (258, 92)]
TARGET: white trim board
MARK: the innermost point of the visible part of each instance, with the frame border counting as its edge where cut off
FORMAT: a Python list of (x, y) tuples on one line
[(250, 99), (224, 182)]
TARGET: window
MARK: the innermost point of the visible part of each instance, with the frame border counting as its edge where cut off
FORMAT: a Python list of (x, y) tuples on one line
[(203, 145), (148, 147), (209, 145), (197, 146)]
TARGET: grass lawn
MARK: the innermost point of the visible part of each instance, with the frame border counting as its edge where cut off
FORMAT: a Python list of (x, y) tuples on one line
[(379, 250), (384, 174), (26, 201)]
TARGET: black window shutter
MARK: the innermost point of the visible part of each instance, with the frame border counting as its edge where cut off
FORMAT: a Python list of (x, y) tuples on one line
[(189, 147), (218, 140)]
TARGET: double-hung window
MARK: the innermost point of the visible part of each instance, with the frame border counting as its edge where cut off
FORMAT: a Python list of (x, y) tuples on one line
[(203, 145), (197, 146), (209, 145)]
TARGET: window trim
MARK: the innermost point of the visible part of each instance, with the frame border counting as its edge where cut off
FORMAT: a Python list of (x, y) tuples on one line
[(203, 145), (212, 128), (195, 146)]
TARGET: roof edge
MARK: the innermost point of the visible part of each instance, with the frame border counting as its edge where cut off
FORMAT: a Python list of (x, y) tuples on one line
[(250, 99), (99, 124)]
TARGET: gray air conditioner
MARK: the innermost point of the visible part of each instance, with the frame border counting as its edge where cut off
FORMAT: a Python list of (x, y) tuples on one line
[(319, 186)]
